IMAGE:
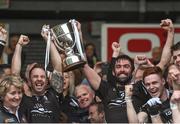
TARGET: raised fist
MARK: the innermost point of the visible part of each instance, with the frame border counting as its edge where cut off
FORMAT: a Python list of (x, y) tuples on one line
[(3, 34), (116, 47), (142, 61), (23, 40), (167, 24), (44, 32)]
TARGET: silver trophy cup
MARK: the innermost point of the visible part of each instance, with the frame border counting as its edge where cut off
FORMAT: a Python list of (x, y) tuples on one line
[(68, 40)]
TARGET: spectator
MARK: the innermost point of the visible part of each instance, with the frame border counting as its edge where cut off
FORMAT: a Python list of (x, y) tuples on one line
[(156, 55), (85, 96), (3, 39), (68, 86), (5, 69), (11, 92), (96, 113), (92, 58), (69, 104)]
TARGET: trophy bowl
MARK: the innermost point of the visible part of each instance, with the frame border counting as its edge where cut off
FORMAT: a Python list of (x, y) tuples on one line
[(67, 40)]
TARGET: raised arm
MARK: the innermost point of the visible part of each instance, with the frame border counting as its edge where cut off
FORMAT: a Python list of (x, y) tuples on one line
[(141, 62), (166, 53), (55, 56), (55, 78), (116, 49), (131, 113), (16, 60), (91, 75), (3, 39)]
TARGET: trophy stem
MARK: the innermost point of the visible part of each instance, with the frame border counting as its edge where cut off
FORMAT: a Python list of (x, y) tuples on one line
[(69, 51)]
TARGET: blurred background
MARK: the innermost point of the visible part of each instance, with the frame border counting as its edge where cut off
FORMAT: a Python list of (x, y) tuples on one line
[(28, 16)]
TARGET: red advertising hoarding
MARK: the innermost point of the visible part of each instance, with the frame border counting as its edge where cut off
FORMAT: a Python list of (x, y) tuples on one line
[(134, 38)]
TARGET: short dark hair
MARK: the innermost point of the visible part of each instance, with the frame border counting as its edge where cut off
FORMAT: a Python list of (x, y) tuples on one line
[(175, 47), (152, 70), (94, 48), (3, 67), (99, 105), (125, 57), (36, 66)]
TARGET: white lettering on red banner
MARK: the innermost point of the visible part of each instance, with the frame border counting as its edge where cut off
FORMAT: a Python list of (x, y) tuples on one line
[(134, 39)]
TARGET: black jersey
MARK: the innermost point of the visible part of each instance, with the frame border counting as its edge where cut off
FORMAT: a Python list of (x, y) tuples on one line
[(70, 107), (42, 109), (114, 101), (164, 111), (7, 117)]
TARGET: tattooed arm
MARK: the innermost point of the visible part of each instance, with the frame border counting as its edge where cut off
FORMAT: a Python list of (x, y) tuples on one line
[(56, 81)]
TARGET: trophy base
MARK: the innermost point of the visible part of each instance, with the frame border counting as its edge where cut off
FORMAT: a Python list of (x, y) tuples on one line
[(74, 66)]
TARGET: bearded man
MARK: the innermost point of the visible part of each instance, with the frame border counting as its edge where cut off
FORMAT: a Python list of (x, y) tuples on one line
[(112, 91)]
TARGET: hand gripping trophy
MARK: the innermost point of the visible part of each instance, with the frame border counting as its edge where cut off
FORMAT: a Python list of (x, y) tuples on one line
[(67, 39)]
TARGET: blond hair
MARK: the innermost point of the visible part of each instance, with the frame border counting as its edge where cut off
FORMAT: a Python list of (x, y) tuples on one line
[(7, 82), (71, 83), (87, 87)]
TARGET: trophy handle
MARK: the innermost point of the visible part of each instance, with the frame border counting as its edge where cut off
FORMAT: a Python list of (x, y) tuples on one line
[(77, 39)]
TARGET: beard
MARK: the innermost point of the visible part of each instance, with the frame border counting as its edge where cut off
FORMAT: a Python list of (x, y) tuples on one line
[(123, 80)]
